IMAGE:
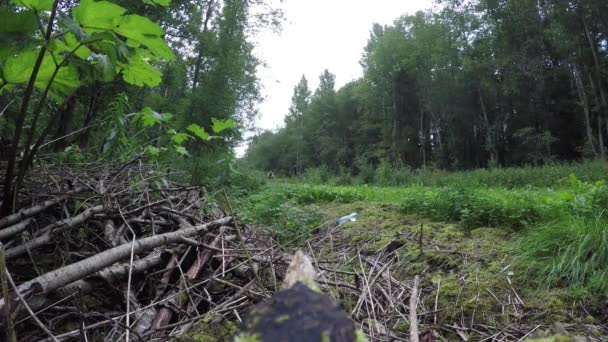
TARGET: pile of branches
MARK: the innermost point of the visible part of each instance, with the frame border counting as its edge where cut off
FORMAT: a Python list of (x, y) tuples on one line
[(111, 252)]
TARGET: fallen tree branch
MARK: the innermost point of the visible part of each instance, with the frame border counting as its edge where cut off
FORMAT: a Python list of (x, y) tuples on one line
[(52, 229), (54, 280), (413, 316), (14, 229)]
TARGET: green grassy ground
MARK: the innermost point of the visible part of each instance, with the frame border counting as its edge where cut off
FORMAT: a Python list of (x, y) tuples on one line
[(484, 241)]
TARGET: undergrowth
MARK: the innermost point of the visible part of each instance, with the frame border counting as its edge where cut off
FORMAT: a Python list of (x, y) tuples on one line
[(562, 230)]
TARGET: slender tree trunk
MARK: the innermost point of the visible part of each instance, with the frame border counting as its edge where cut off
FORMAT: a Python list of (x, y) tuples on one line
[(199, 57), (601, 137), (422, 138), (491, 145), (9, 191), (598, 71), (585, 104), (66, 116), (92, 110)]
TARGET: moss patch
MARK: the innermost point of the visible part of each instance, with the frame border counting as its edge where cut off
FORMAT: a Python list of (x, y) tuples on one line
[(473, 269), (203, 331)]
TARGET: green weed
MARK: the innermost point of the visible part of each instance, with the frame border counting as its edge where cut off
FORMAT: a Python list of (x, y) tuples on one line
[(570, 252)]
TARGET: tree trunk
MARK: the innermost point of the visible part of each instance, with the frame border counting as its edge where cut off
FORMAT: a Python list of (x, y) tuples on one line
[(601, 137), (66, 119), (491, 145), (90, 116), (598, 72), (585, 104), (199, 57)]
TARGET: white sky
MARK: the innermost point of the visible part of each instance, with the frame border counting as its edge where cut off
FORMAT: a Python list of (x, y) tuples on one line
[(318, 35)]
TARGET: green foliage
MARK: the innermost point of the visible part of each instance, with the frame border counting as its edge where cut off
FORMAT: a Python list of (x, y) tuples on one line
[(38, 5), (290, 209), (456, 88), (561, 230), (567, 252)]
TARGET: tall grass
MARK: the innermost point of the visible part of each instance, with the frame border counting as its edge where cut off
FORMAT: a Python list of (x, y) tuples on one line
[(572, 251)]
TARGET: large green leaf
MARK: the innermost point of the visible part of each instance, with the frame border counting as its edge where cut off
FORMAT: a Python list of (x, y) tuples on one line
[(145, 32), (70, 45), (20, 22), (17, 70), (138, 72), (95, 16), (38, 5), (16, 31)]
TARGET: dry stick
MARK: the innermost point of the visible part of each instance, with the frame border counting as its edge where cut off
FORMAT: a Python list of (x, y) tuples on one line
[(14, 229), (29, 310), (25, 213), (436, 300), (55, 279), (53, 228), (413, 315), (529, 333), (420, 238), (10, 328), (164, 315), (128, 299)]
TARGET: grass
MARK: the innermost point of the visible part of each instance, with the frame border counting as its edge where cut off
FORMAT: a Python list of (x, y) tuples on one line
[(556, 210), (568, 253)]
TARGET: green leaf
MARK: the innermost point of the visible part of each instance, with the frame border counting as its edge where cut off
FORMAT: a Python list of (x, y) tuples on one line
[(144, 31), (167, 117), (198, 131), (222, 125), (70, 45), (38, 5), (163, 3), (138, 72), (148, 117), (179, 138), (95, 16), (20, 22), (17, 70), (181, 151), (153, 151)]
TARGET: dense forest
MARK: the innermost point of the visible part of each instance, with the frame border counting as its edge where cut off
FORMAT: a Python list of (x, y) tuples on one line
[(476, 84)]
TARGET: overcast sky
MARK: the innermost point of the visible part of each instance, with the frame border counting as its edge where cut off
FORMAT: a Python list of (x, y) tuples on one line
[(318, 35)]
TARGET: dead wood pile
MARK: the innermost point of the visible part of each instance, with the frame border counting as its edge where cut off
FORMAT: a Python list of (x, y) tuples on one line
[(111, 252)]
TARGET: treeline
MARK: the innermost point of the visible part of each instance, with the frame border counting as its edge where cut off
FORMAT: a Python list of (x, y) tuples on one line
[(479, 83)]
